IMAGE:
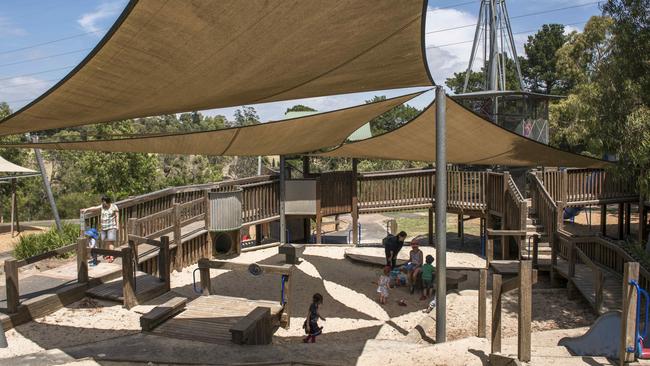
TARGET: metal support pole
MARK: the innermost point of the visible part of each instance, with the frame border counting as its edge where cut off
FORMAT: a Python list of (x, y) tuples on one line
[(259, 165), (441, 217), (283, 218), (46, 185)]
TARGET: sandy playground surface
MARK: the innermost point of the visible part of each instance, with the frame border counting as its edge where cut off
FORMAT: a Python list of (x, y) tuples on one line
[(358, 330)]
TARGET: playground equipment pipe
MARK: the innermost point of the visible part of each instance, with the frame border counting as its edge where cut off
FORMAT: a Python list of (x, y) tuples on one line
[(639, 346), (441, 219)]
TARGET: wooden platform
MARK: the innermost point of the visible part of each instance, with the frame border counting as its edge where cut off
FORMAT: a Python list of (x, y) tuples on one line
[(584, 283), (188, 232), (209, 318), (146, 288)]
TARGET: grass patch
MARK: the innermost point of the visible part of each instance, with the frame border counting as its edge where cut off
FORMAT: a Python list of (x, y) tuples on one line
[(34, 244), (420, 225)]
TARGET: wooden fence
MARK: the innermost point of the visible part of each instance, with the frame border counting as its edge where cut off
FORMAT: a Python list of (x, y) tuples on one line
[(587, 186), (495, 187), (260, 201), (335, 189), (466, 190), (395, 190)]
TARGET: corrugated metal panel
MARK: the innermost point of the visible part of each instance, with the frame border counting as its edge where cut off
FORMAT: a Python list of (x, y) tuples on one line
[(300, 197), (225, 210)]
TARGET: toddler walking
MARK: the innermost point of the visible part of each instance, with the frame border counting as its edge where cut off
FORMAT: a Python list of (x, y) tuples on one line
[(384, 282)]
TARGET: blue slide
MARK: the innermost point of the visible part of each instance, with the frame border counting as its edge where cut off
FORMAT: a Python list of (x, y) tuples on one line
[(571, 212)]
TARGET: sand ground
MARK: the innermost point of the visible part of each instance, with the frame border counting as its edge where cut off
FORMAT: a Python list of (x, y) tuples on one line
[(355, 321)]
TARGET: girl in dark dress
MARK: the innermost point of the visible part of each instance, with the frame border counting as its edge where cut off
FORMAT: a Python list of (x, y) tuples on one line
[(311, 322)]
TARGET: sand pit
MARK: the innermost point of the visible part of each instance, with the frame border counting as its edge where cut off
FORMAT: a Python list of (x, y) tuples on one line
[(358, 330), (455, 259)]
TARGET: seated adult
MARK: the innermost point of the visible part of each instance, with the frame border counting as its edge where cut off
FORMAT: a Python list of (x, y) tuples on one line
[(392, 246), (414, 267)]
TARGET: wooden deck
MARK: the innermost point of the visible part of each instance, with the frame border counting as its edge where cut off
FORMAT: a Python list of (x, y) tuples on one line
[(209, 318), (147, 287), (584, 283)]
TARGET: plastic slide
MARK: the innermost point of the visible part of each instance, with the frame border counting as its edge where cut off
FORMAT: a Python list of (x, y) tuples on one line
[(571, 212), (601, 340)]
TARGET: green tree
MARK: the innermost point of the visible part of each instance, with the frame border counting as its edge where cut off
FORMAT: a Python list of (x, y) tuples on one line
[(300, 108), (392, 119), (540, 66)]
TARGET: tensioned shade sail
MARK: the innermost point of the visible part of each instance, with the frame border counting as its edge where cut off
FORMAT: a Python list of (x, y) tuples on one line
[(164, 57), (292, 136), (470, 140), (9, 170)]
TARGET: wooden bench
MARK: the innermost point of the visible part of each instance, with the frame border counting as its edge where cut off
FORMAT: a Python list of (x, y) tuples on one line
[(253, 329), (292, 252), (162, 312)]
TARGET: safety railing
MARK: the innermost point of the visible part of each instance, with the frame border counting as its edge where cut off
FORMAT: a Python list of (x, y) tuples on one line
[(584, 186), (260, 201), (335, 192), (495, 188), (466, 190), (395, 190)]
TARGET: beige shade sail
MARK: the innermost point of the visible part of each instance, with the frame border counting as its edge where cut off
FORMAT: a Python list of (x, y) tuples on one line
[(7, 167), (292, 136), (163, 57), (470, 140)]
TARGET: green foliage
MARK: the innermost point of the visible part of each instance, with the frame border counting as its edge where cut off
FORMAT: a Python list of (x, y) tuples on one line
[(391, 119), (540, 66), (34, 244), (300, 108)]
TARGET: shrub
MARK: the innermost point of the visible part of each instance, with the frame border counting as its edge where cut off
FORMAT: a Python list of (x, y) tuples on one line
[(34, 244)]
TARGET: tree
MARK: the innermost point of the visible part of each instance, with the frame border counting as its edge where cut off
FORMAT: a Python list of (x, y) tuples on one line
[(245, 116), (300, 108), (393, 118), (243, 166), (540, 66)]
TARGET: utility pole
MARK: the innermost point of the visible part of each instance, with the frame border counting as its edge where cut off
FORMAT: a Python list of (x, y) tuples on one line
[(46, 185), (441, 216)]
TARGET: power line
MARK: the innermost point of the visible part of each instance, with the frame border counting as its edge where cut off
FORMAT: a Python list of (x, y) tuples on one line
[(518, 16), (50, 42), (520, 32), (45, 57), (38, 73), (35, 82)]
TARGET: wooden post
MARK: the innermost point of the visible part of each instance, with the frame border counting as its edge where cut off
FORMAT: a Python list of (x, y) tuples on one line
[(489, 250), (628, 218), (164, 262), (603, 220), (207, 209), (82, 260), (258, 234), (560, 214), (430, 226), (355, 202), (643, 224), (289, 291), (482, 303), (128, 279), (11, 280), (525, 310), (505, 241), (14, 208), (319, 214), (495, 340), (628, 315), (621, 220), (178, 260), (535, 251), (204, 271), (305, 166), (572, 271)]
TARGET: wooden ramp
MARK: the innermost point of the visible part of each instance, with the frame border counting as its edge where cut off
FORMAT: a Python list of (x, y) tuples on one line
[(209, 318), (584, 283), (147, 287)]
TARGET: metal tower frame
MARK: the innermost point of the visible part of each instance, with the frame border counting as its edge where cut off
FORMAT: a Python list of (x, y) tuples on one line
[(493, 27)]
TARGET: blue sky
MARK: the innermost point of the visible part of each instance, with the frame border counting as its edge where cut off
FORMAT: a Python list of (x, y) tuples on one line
[(41, 40)]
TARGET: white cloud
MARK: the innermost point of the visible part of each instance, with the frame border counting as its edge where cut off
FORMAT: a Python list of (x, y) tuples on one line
[(9, 29), (90, 21), (569, 28), (20, 90)]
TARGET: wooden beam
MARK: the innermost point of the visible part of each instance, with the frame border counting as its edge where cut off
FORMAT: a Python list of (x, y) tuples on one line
[(430, 228), (482, 303), (628, 314), (525, 310), (515, 233), (628, 218), (204, 270), (513, 283), (164, 262), (355, 203), (284, 269), (82, 260), (178, 260), (141, 239), (107, 252), (603, 219), (11, 284), (128, 279), (495, 329), (319, 214)]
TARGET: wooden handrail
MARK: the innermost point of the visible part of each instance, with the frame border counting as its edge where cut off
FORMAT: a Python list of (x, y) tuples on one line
[(46, 255)]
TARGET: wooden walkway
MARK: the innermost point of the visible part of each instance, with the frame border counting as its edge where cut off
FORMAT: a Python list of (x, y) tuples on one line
[(147, 287), (209, 318), (584, 283)]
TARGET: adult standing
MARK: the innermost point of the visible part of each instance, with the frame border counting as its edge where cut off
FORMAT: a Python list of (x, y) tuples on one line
[(109, 219), (392, 247)]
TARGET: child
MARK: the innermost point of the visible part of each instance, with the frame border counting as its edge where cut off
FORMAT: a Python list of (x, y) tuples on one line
[(427, 278), (415, 264), (311, 322), (92, 236), (383, 283)]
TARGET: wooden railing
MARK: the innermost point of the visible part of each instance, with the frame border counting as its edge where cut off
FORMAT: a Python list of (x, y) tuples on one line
[(335, 192), (396, 190), (573, 253), (583, 186), (260, 201), (515, 206), (466, 190), (604, 252), (155, 202), (495, 188)]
